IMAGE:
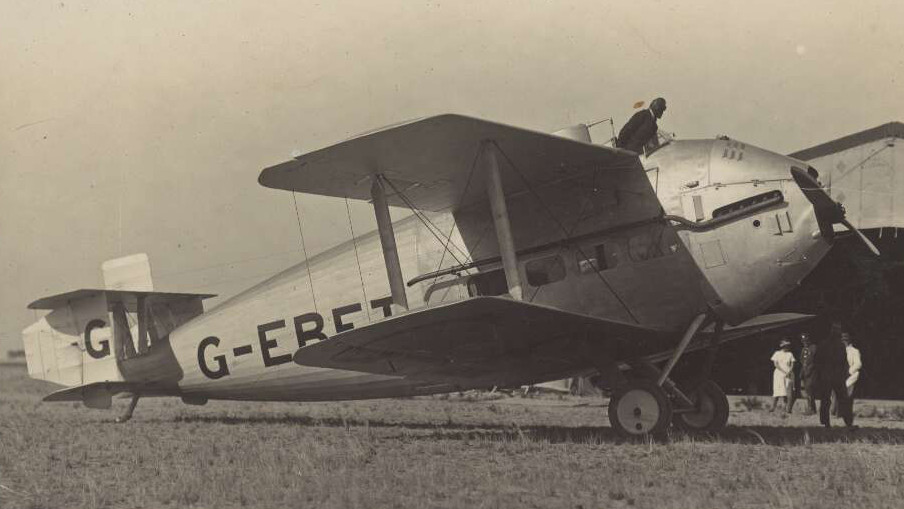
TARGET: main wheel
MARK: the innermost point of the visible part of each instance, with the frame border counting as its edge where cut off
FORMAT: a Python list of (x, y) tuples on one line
[(639, 408), (710, 409)]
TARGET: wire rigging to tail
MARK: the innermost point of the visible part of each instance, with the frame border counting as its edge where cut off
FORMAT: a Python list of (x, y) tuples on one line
[(304, 249), (357, 259)]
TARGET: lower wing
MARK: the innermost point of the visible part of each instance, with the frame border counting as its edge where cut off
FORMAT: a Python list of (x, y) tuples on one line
[(498, 341)]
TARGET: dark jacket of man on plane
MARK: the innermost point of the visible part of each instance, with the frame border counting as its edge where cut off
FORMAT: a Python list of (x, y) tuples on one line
[(641, 128)]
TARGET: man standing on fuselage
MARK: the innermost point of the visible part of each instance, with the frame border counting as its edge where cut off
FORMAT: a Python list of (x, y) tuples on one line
[(642, 127)]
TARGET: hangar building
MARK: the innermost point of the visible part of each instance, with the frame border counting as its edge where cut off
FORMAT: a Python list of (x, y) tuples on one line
[(864, 171)]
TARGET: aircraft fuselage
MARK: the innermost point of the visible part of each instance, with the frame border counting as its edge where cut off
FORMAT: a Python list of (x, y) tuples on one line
[(659, 273)]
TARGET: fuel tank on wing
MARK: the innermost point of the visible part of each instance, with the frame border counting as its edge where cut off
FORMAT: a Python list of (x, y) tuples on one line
[(746, 222)]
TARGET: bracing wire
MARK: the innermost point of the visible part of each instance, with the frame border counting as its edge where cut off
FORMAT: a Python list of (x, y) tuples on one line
[(431, 226), (448, 237), (304, 249), (581, 216), (562, 227), (461, 200), (357, 260)]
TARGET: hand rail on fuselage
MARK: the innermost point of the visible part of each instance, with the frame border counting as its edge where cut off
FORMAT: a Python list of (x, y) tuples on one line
[(709, 224)]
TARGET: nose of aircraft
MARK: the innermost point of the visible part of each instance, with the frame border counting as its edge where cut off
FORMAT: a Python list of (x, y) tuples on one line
[(828, 211)]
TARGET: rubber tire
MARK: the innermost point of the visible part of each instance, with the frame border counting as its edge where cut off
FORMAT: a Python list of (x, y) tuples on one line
[(640, 408), (713, 414)]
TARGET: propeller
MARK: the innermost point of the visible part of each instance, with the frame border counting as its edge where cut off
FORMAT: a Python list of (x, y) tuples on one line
[(872, 247), (828, 211)]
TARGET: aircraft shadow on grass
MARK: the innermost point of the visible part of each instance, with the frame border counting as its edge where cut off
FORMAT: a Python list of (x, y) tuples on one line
[(763, 435)]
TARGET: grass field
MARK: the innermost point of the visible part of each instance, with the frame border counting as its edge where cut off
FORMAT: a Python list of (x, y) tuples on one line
[(457, 451)]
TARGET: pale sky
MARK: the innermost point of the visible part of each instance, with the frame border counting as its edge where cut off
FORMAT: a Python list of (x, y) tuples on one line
[(132, 127)]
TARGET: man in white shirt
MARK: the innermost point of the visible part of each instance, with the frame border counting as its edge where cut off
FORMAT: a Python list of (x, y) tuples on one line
[(854, 363)]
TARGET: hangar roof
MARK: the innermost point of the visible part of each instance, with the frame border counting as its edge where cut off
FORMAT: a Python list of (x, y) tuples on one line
[(889, 130)]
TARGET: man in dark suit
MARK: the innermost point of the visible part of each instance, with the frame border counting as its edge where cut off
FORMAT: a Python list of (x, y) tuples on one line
[(808, 371), (641, 128), (831, 372)]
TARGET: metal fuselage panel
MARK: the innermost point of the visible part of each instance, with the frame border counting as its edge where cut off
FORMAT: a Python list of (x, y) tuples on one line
[(647, 272), (242, 349), (751, 262)]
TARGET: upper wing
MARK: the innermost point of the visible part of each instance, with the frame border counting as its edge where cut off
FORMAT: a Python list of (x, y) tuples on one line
[(483, 341), (430, 161)]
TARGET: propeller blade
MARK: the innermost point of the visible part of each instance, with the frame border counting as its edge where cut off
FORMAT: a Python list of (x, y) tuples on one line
[(872, 247), (813, 191), (828, 211)]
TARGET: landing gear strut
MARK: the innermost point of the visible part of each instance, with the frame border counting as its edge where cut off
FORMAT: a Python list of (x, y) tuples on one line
[(128, 415), (647, 405)]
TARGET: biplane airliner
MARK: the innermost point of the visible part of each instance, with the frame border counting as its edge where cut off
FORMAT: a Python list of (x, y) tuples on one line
[(529, 257)]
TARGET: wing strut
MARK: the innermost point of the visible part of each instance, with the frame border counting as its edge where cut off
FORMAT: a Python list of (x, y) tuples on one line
[(500, 218), (387, 241)]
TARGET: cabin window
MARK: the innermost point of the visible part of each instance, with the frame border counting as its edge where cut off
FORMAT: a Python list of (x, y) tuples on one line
[(746, 203), (601, 259), (544, 271), (488, 284)]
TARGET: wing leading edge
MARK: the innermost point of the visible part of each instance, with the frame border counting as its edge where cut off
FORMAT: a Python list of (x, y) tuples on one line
[(492, 340)]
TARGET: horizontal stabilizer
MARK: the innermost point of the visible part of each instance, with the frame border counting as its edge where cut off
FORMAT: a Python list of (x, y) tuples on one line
[(94, 395), (502, 341), (81, 392), (431, 161), (128, 298), (88, 332)]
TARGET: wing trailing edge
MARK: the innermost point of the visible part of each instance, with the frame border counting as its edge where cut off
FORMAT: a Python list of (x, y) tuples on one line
[(431, 160)]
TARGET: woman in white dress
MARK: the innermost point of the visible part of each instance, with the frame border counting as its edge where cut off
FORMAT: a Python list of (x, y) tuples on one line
[(783, 377)]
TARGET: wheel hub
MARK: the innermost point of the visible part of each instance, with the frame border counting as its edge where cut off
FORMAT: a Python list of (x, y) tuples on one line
[(638, 411)]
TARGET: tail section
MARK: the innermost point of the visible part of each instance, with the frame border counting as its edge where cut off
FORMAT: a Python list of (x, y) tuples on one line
[(95, 341), (75, 336), (128, 273)]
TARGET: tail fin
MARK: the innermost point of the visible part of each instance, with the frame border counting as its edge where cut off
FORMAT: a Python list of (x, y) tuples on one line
[(75, 335), (128, 273), (92, 336)]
